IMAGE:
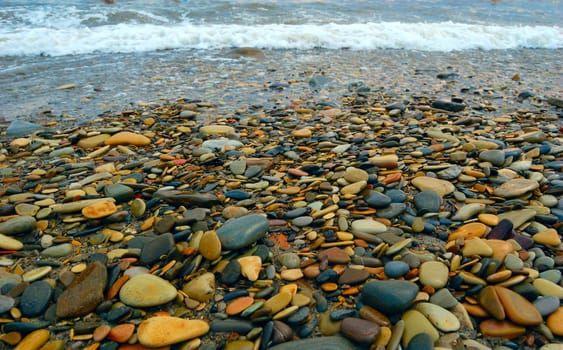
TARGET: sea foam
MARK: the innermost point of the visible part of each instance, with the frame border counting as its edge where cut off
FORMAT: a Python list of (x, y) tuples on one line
[(142, 37)]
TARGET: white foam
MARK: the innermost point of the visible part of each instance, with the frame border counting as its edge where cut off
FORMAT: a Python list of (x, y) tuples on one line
[(131, 37)]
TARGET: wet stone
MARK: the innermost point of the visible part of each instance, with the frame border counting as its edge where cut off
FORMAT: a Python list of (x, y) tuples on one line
[(147, 290), (358, 330), (153, 249), (35, 299), (121, 193), (377, 200), (243, 231), (389, 297), (84, 293), (353, 276), (392, 211), (495, 157), (396, 269), (427, 201), (17, 225)]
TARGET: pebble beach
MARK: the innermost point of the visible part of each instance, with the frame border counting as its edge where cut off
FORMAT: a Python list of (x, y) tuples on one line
[(406, 202)]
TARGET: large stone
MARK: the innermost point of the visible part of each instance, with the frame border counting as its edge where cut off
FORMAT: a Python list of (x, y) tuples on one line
[(515, 188), (167, 330), (517, 308), (34, 340), (443, 187), (555, 322), (147, 290), (84, 293), (17, 225), (243, 231), (389, 296)]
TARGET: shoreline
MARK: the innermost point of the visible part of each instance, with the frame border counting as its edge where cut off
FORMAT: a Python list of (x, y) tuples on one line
[(81, 87), (278, 203)]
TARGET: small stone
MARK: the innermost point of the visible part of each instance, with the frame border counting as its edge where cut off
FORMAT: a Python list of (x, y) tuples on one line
[(121, 193), (35, 299), (377, 200), (138, 207), (555, 322), (353, 175), (358, 330), (250, 267), (289, 260), (302, 133), (468, 211), (37, 273), (548, 237), (92, 141), (471, 230), (502, 329), (242, 232), (9, 243), (434, 274), (99, 210), (121, 333), (335, 255), (238, 305), (291, 274), (476, 246), (443, 187), (34, 340), (278, 302), (396, 269), (547, 288), (201, 288), (368, 226), (166, 330), (441, 318), (546, 305), (421, 341), (444, 298), (127, 138), (353, 188), (389, 296), (416, 323), (210, 245), (353, 276), (147, 290), (57, 251), (493, 156), (427, 201)]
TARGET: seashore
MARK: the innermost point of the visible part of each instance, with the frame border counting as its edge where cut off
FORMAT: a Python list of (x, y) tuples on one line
[(379, 213)]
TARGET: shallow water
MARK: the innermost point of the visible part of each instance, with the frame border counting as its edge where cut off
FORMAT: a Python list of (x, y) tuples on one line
[(116, 82)]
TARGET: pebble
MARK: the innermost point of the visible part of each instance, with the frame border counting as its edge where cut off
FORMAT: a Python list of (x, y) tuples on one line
[(201, 288), (443, 187), (147, 290), (396, 269), (17, 225), (84, 293), (127, 138), (358, 330), (389, 297), (242, 232), (368, 226), (167, 330), (416, 323), (515, 188), (9, 243), (35, 299), (433, 274)]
